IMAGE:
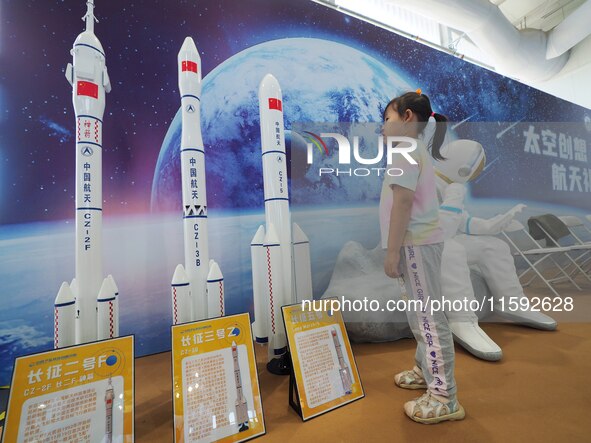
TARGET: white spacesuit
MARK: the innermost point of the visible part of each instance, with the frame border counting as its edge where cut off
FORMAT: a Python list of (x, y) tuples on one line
[(470, 244)]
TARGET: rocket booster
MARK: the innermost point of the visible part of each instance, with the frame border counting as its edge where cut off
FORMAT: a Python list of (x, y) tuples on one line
[(301, 265), (261, 301), (64, 318), (181, 296), (344, 370), (106, 314), (240, 404), (215, 291), (201, 277), (115, 304), (274, 293), (280, 255), (90, 82)]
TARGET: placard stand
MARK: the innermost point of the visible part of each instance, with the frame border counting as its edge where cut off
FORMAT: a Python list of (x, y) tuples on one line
[(323, 373), (216, 395), (294, 397)]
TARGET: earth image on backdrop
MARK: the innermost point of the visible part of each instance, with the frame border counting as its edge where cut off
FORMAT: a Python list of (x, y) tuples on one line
[(321, 81)]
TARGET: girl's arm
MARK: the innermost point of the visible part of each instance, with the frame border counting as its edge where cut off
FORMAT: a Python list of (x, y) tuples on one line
[(399, 219)]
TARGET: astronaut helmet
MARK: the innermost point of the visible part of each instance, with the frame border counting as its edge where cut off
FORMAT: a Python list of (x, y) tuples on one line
[(464, 161)]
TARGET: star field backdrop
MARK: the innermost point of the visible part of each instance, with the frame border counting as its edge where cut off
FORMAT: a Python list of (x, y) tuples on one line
[(239, 42)]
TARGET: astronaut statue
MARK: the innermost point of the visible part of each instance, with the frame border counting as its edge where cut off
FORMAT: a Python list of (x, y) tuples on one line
[(470, 244), (455, 279)]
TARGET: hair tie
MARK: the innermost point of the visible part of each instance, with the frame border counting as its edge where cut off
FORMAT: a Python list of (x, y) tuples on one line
[(419, 91)]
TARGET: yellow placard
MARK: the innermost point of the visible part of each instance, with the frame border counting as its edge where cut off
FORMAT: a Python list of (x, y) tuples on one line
[(325, 371), (80, 393), (215, 382)]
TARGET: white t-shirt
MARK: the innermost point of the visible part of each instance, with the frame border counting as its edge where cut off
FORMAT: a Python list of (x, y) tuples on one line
[(423, 227)]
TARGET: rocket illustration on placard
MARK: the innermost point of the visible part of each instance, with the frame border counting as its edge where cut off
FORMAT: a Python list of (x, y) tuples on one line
[(197, 287), (280, 252), (344, 370), (241, 408), (109, 398), (89, 303)]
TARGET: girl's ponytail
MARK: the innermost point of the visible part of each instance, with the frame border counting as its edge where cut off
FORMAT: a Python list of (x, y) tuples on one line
[(420, 104), (439, 136)]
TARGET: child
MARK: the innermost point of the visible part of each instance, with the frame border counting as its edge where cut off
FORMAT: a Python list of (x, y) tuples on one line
[(414, 240)]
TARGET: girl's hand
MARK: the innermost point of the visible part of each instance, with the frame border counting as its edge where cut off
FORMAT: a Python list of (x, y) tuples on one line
[(392, 264)]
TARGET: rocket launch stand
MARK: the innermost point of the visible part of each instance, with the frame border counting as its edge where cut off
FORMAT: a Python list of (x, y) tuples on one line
[(280, 365)]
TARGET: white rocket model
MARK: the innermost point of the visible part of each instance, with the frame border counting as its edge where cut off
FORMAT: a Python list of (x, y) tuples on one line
[(198, 287), (344, 370), (90, 81), (109, 398), (241, 408), (280, 254)]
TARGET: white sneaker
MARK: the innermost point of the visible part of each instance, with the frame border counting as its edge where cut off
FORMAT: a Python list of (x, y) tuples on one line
[(430, 408), (412, 379)]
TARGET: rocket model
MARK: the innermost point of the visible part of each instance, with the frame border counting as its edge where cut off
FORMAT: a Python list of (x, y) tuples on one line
[(280, 254), (89, 303), (241, 408), (109, 397), (198, 287), (344, 371)]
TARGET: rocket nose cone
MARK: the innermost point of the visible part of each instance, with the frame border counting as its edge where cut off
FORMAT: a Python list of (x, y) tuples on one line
[(298, 235), (113, 284), (214, 271), (259, 236), (188, 45), (106, 290), (64, 295), (180, 276), (269, 78), (269, 86)]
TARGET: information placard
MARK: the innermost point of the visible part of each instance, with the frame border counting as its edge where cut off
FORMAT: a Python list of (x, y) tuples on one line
[(324, 374), (80, 393), (216, 394)]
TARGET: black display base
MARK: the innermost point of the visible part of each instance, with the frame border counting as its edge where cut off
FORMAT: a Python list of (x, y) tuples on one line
[(280, 365)]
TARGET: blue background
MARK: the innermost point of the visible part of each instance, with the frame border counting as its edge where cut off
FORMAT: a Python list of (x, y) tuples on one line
[(239, 42)]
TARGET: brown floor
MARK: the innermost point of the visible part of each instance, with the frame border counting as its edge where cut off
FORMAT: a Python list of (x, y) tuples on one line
[(539, 392)]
